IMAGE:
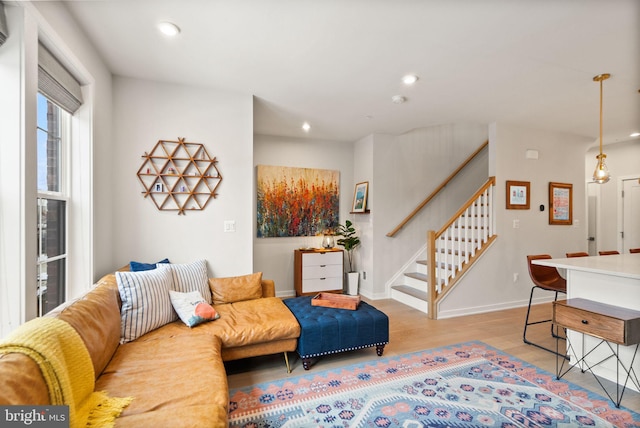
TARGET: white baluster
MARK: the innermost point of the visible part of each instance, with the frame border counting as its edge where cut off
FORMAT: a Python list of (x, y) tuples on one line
[(466, 235), (474, 223), (491, 210), (485, 223)]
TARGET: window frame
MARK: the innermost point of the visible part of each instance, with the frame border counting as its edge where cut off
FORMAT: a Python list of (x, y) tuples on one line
[(63, 195)]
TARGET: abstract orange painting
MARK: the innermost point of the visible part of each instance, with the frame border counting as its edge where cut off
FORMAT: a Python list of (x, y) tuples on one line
[(296, 201)]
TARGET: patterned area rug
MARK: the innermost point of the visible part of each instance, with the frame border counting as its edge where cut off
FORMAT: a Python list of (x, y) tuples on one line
[(465, 385)]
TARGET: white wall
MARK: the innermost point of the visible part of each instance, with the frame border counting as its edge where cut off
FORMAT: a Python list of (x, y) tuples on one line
[(490, 284), (363, 170), (407, 168), (623, 160), (18, 86), (146, 112), (274, 256)]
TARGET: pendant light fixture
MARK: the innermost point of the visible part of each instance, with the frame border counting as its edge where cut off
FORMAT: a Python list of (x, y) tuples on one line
[(601, 174)]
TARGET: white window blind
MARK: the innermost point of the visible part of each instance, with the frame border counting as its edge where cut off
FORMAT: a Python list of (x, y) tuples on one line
[(57, 83)]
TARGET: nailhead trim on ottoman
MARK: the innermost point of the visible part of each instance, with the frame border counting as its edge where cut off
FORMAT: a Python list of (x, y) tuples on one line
[(326, 330)]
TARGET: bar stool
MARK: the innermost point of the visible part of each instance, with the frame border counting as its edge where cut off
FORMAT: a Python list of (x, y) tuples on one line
[(545, 278), (634, 250), (608, 253), (578, 254)]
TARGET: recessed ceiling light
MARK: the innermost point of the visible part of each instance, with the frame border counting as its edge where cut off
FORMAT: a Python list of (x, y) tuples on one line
[(409, 79), (398, 99), (169, 29), (306, 127), (635, 134)]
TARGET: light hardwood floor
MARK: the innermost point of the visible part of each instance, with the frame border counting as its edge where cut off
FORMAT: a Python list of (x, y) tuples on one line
[(410, 330)]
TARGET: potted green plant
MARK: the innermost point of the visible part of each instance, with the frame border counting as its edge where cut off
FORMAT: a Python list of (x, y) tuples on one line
[(349, 241)]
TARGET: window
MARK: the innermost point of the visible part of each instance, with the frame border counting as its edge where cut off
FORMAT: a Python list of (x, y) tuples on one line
[(53, 139)]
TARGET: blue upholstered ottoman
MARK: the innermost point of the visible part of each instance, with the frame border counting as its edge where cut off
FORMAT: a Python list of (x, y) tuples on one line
[(330, 330)]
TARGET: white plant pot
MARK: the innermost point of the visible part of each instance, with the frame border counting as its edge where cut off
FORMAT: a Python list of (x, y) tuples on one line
[(352, 283)]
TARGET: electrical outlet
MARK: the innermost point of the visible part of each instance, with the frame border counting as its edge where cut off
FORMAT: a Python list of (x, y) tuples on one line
[(516, 224)]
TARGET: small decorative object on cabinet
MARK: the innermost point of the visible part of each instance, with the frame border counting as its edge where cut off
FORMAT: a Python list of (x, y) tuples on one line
[(179, 176), (318, 271), (328, 241)]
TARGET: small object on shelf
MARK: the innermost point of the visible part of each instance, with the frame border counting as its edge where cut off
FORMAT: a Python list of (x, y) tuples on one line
[(360, 197), (339, 301)]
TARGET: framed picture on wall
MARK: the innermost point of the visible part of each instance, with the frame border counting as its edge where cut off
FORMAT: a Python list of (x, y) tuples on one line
[(560, 203), (518, 195), (360, 197)]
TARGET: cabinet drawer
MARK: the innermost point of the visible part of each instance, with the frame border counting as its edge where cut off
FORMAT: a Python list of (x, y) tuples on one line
[(594, 324), (317, 259), (322, 271), (319, 284)]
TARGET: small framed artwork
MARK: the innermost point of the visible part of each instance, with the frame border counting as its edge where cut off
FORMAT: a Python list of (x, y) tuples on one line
[(158, 187), (360, 197), (560, 203), (518, 195)]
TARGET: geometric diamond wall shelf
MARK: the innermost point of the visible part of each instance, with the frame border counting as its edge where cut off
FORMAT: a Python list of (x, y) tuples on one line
[(179, 176)]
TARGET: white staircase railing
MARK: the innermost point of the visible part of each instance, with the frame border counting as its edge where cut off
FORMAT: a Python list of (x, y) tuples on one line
[(452, 249)]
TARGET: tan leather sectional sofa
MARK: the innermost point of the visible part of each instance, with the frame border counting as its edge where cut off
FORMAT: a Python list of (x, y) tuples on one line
[(174, 373)]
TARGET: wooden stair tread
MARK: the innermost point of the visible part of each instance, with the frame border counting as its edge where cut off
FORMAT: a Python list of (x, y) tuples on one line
[(418, 276), (422, 295)]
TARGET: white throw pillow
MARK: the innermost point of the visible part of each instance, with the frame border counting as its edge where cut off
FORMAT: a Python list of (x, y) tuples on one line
[(189, 277), (145, 302), (192, 308)]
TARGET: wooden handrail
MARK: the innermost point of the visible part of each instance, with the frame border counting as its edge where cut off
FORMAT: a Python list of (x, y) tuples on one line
[(490, 182), (436, 191)]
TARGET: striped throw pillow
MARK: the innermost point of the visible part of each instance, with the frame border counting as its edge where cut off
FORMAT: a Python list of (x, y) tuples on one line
[(189, 277), (146, 304)]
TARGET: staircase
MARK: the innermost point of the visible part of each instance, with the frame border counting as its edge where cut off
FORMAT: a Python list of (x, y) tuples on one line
[(450, 251)]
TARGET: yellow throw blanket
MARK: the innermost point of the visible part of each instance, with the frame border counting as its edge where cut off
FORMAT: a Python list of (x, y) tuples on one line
[(67, 369)]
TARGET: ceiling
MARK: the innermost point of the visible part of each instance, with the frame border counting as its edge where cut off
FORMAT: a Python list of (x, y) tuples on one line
[(337, 63)]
